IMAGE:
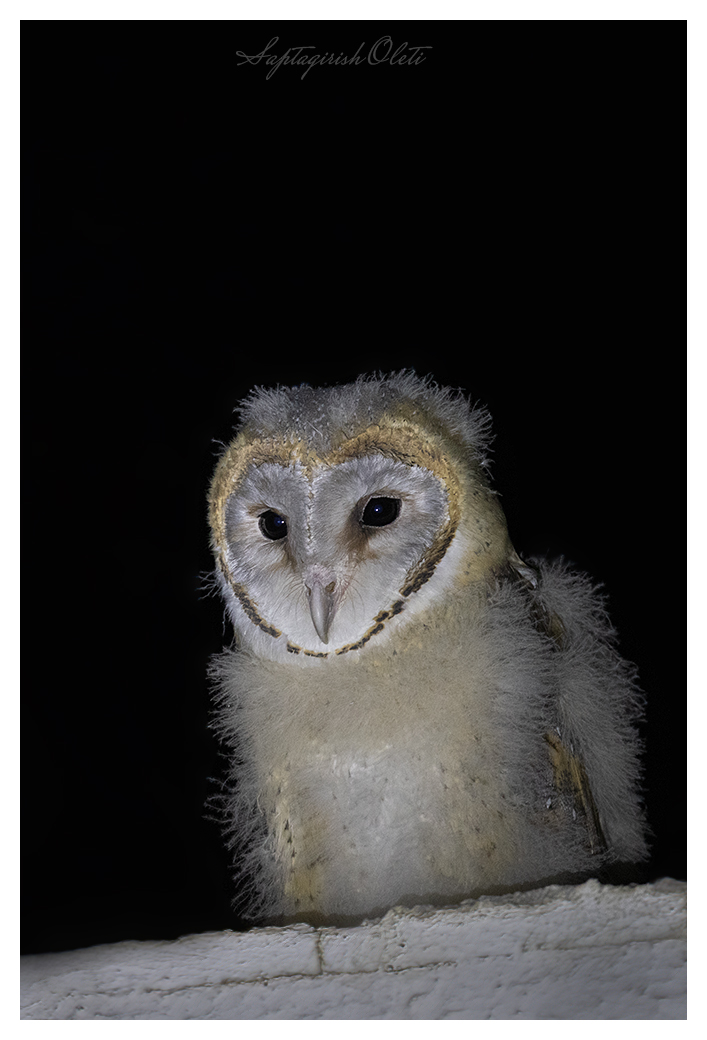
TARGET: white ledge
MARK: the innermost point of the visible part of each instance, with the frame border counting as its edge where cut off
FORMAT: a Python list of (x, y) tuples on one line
[(562, 952)]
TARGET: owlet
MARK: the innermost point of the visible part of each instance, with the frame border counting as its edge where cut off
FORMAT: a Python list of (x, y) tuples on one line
[(414, 714)]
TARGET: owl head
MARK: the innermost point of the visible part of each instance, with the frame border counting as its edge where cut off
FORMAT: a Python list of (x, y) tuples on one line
[(340, 514)]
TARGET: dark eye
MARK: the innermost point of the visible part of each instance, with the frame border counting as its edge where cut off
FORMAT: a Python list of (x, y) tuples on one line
[(380, 512), (273, 525)]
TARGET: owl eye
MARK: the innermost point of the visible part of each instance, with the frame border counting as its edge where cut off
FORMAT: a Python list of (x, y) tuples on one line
[(380, 512), (272, 525)]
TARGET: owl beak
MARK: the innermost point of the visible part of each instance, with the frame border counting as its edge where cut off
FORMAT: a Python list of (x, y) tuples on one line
[(323, 602)]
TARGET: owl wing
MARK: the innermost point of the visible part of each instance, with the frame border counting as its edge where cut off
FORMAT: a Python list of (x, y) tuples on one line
[(569, 773)]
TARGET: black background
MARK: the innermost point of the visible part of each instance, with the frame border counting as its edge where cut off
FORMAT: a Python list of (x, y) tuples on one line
[(506, 215)]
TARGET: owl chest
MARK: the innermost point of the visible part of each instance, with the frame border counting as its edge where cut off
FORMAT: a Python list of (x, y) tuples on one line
[(373, 761), (364, 812)]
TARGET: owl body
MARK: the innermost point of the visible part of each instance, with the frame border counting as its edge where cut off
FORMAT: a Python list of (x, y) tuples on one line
[(415, 714)]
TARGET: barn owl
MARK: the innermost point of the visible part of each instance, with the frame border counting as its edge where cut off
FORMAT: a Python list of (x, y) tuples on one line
[(414, 714)]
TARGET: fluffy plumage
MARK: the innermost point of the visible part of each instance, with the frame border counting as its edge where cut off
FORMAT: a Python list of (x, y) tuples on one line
[(414, 714)]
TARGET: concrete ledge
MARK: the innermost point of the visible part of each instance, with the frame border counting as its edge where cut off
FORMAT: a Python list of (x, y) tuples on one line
[(584, 952)]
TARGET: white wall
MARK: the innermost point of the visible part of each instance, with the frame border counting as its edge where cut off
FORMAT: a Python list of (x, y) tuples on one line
[(560, 952)]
